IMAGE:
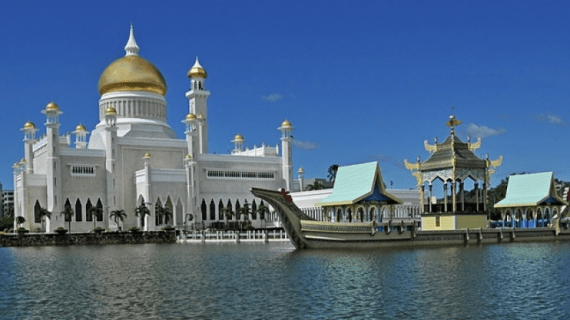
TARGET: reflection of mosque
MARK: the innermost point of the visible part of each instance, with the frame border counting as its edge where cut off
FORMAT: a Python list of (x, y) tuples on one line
[(134, 160)]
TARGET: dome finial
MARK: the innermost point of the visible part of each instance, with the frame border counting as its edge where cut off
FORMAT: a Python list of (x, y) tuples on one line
[(132, 49)]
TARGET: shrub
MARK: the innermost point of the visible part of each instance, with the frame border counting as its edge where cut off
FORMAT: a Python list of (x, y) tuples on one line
[(98, 229), (134, 229), (168, 228), (22, 230)]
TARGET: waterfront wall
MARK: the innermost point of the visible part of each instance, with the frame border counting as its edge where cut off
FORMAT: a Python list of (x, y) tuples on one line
[(54, 239)]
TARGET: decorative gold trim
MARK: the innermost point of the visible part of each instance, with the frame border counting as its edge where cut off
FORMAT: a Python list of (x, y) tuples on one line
[(431, 148), (475, 145)]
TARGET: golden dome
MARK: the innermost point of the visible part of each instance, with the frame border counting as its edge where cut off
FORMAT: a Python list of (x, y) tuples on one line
[(80, 127), (197, 71), (188, 157), (52, 106), (146, 156), (286, 124), (238, 138), (201, 117), (132, 73), (110, 111), (190, 116), (29, 125)]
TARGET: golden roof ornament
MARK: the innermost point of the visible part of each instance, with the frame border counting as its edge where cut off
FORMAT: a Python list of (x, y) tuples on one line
[(52, 106), (80, 128), (110, 111), (132, 73), (197, 71), (286, 124), (190, 116), (146, 156), (29, 125), (238, 138)]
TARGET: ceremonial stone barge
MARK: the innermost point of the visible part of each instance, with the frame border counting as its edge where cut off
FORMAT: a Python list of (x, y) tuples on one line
[(306, 232)]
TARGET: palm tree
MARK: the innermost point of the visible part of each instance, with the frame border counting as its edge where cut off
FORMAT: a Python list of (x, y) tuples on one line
[(142, 211), (44, 213), (20, 220), (332, 172), (96, 213), (163, 212), (262, 210), (317, 185), (244, 211), (67, 214), (118, 215), (228, 213)]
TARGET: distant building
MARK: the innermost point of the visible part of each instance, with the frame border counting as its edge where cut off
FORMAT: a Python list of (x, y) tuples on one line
[(7, 201), (134, 159)]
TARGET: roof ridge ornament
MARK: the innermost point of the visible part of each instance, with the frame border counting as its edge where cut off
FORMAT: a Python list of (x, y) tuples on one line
[(452, 122), (131, 48)]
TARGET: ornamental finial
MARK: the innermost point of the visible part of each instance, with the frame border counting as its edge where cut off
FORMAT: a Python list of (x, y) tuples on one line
[(132, 49)]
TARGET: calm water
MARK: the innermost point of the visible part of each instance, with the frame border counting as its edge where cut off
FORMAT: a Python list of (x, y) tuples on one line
[(273, 281)]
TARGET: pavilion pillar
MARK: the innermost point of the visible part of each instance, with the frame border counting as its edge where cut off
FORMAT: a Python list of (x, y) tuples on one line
[(430, 197), (477, 196), (453, 196), (462, 189), (445, 196), (422, 196), (484, 197)]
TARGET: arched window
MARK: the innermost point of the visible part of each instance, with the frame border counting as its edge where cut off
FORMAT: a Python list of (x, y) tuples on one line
[(253, 210), (204, 208), (229, 206), (78, 212), (100, 207), (220, 208), (37, 217), (157, 208), (67, 205), (237, 207), (212, 210), (88, 206)]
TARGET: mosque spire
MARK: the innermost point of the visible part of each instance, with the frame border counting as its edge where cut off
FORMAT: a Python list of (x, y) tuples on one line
[(132, 49)]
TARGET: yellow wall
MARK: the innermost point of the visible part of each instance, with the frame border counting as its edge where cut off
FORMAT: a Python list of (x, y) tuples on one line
[(471, 221), (445, 223)]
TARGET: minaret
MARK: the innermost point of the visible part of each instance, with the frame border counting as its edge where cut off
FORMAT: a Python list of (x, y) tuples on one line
[(238, 143), (190, 121), (197, 97), (287, 159), (29, 130), (110, 158), (80, 136), (301, 175), (53, 165)]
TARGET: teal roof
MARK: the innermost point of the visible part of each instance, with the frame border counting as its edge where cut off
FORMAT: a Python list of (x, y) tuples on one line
[(530, 190), (357, 182)]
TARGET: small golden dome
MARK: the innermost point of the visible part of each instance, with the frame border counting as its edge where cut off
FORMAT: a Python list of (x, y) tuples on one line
[(110, 111), (15, 166), (197, 71), (29, 125), (286, 124), (80, 127), (201, 117), (238, 138), (146, 156), (188, 157), (23, 160), (52, 106), (190, 116), (132, 73)]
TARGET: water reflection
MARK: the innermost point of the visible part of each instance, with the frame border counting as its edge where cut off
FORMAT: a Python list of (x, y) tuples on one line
[(260, 281)]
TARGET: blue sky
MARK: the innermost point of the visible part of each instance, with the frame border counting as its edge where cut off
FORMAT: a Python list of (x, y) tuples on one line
[(359, 80)]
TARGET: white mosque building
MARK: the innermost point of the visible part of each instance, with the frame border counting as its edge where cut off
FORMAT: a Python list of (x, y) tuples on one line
[(133, 157)]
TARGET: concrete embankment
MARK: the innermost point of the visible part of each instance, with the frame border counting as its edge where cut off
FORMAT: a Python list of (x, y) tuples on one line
[(54, 239)]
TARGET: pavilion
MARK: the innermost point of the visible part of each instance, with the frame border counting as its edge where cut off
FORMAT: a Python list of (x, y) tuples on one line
[(531, 201), (359, 195), (453, 163)]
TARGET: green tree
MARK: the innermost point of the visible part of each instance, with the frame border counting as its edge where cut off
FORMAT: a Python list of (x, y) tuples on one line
[(20, 220), (142, 211), (331, 174), (96, 212), (244, 211), (44, 214), (263, 210), (228, 213), (67, 215), (118, 215), (163, 212), (317, 185)]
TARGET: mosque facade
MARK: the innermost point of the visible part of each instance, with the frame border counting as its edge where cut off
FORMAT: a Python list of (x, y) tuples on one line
[(132, 159)]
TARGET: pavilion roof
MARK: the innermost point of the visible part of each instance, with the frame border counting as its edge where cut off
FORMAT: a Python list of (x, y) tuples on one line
[(360, 182), (442, 157), (530, 190)]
